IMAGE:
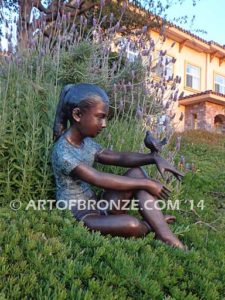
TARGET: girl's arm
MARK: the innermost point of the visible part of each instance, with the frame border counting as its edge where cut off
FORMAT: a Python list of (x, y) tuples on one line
[(120, 183), (134, 159), (125, 159)]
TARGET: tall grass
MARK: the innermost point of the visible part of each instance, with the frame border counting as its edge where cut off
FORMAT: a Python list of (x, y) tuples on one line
[(27, 111)]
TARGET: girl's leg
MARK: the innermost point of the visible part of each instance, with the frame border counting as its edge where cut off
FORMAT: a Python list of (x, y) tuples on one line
[(152, 213), (125, 225), (117, 201), (122, 199), (117, 225)]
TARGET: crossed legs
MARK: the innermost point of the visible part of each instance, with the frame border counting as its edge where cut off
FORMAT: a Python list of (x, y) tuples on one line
[(118, 223)]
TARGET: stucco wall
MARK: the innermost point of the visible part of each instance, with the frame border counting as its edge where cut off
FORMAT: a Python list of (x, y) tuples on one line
[(196, 58), (208, 71)]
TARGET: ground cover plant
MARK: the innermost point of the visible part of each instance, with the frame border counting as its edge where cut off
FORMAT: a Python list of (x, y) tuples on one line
[(48, 255), (45, 254)]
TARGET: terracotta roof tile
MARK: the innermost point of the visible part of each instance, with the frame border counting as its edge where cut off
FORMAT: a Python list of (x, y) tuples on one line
[(203, 93), (170, 24)]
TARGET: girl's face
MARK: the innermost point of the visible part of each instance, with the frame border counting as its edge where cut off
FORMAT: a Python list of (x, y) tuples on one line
[(93, 120)]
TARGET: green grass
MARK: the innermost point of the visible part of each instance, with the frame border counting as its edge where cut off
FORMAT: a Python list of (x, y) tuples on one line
[(48, 255)]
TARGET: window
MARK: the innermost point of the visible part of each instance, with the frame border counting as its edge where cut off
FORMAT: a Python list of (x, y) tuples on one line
[(132, 55), (195, 121), (130, 47), (219, 84), (193, 77), (165, 66)]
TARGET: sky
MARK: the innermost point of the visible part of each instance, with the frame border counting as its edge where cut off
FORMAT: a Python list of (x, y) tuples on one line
[(209, 16)]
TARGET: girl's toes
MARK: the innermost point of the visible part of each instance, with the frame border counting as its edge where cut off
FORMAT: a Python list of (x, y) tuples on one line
[(169, 219)]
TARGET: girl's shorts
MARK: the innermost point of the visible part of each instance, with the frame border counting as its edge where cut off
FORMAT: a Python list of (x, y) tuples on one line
[(81, 214)]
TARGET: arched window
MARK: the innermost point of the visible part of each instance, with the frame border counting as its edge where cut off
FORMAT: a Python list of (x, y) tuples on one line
[(219, 123)]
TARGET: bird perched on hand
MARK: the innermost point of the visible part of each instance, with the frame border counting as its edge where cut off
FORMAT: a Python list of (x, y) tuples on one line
[(152, 143)]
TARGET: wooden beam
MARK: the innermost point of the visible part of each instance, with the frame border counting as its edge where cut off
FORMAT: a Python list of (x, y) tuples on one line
[(221, 60), (181, 45), (212, 55)]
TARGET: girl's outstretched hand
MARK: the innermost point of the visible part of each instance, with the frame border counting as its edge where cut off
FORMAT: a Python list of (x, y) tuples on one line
[(158, 190), (163, 165)]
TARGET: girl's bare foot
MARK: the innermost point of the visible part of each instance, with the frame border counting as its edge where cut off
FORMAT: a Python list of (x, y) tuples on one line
[(172, 240)]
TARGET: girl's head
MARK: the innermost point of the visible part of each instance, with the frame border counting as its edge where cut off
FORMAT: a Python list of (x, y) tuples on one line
[(77, 100)]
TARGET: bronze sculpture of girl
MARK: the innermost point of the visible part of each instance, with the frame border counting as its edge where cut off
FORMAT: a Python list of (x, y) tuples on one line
[(86, 107)]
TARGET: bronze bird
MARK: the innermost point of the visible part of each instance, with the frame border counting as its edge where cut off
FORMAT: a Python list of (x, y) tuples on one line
[(154, 144)]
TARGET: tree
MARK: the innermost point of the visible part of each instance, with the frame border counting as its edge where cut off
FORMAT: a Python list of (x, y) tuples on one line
[(47, 13), (34, 15)]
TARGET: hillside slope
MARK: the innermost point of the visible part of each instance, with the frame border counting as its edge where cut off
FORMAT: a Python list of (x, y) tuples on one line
[(47, 255)]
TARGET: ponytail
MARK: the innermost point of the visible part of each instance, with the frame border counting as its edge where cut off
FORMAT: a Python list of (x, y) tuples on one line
[(60, 123)]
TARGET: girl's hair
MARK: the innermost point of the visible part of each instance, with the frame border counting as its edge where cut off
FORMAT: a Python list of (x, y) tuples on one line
[(81, 95)]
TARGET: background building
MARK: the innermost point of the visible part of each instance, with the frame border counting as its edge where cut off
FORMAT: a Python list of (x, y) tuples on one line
[(201, 65)]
